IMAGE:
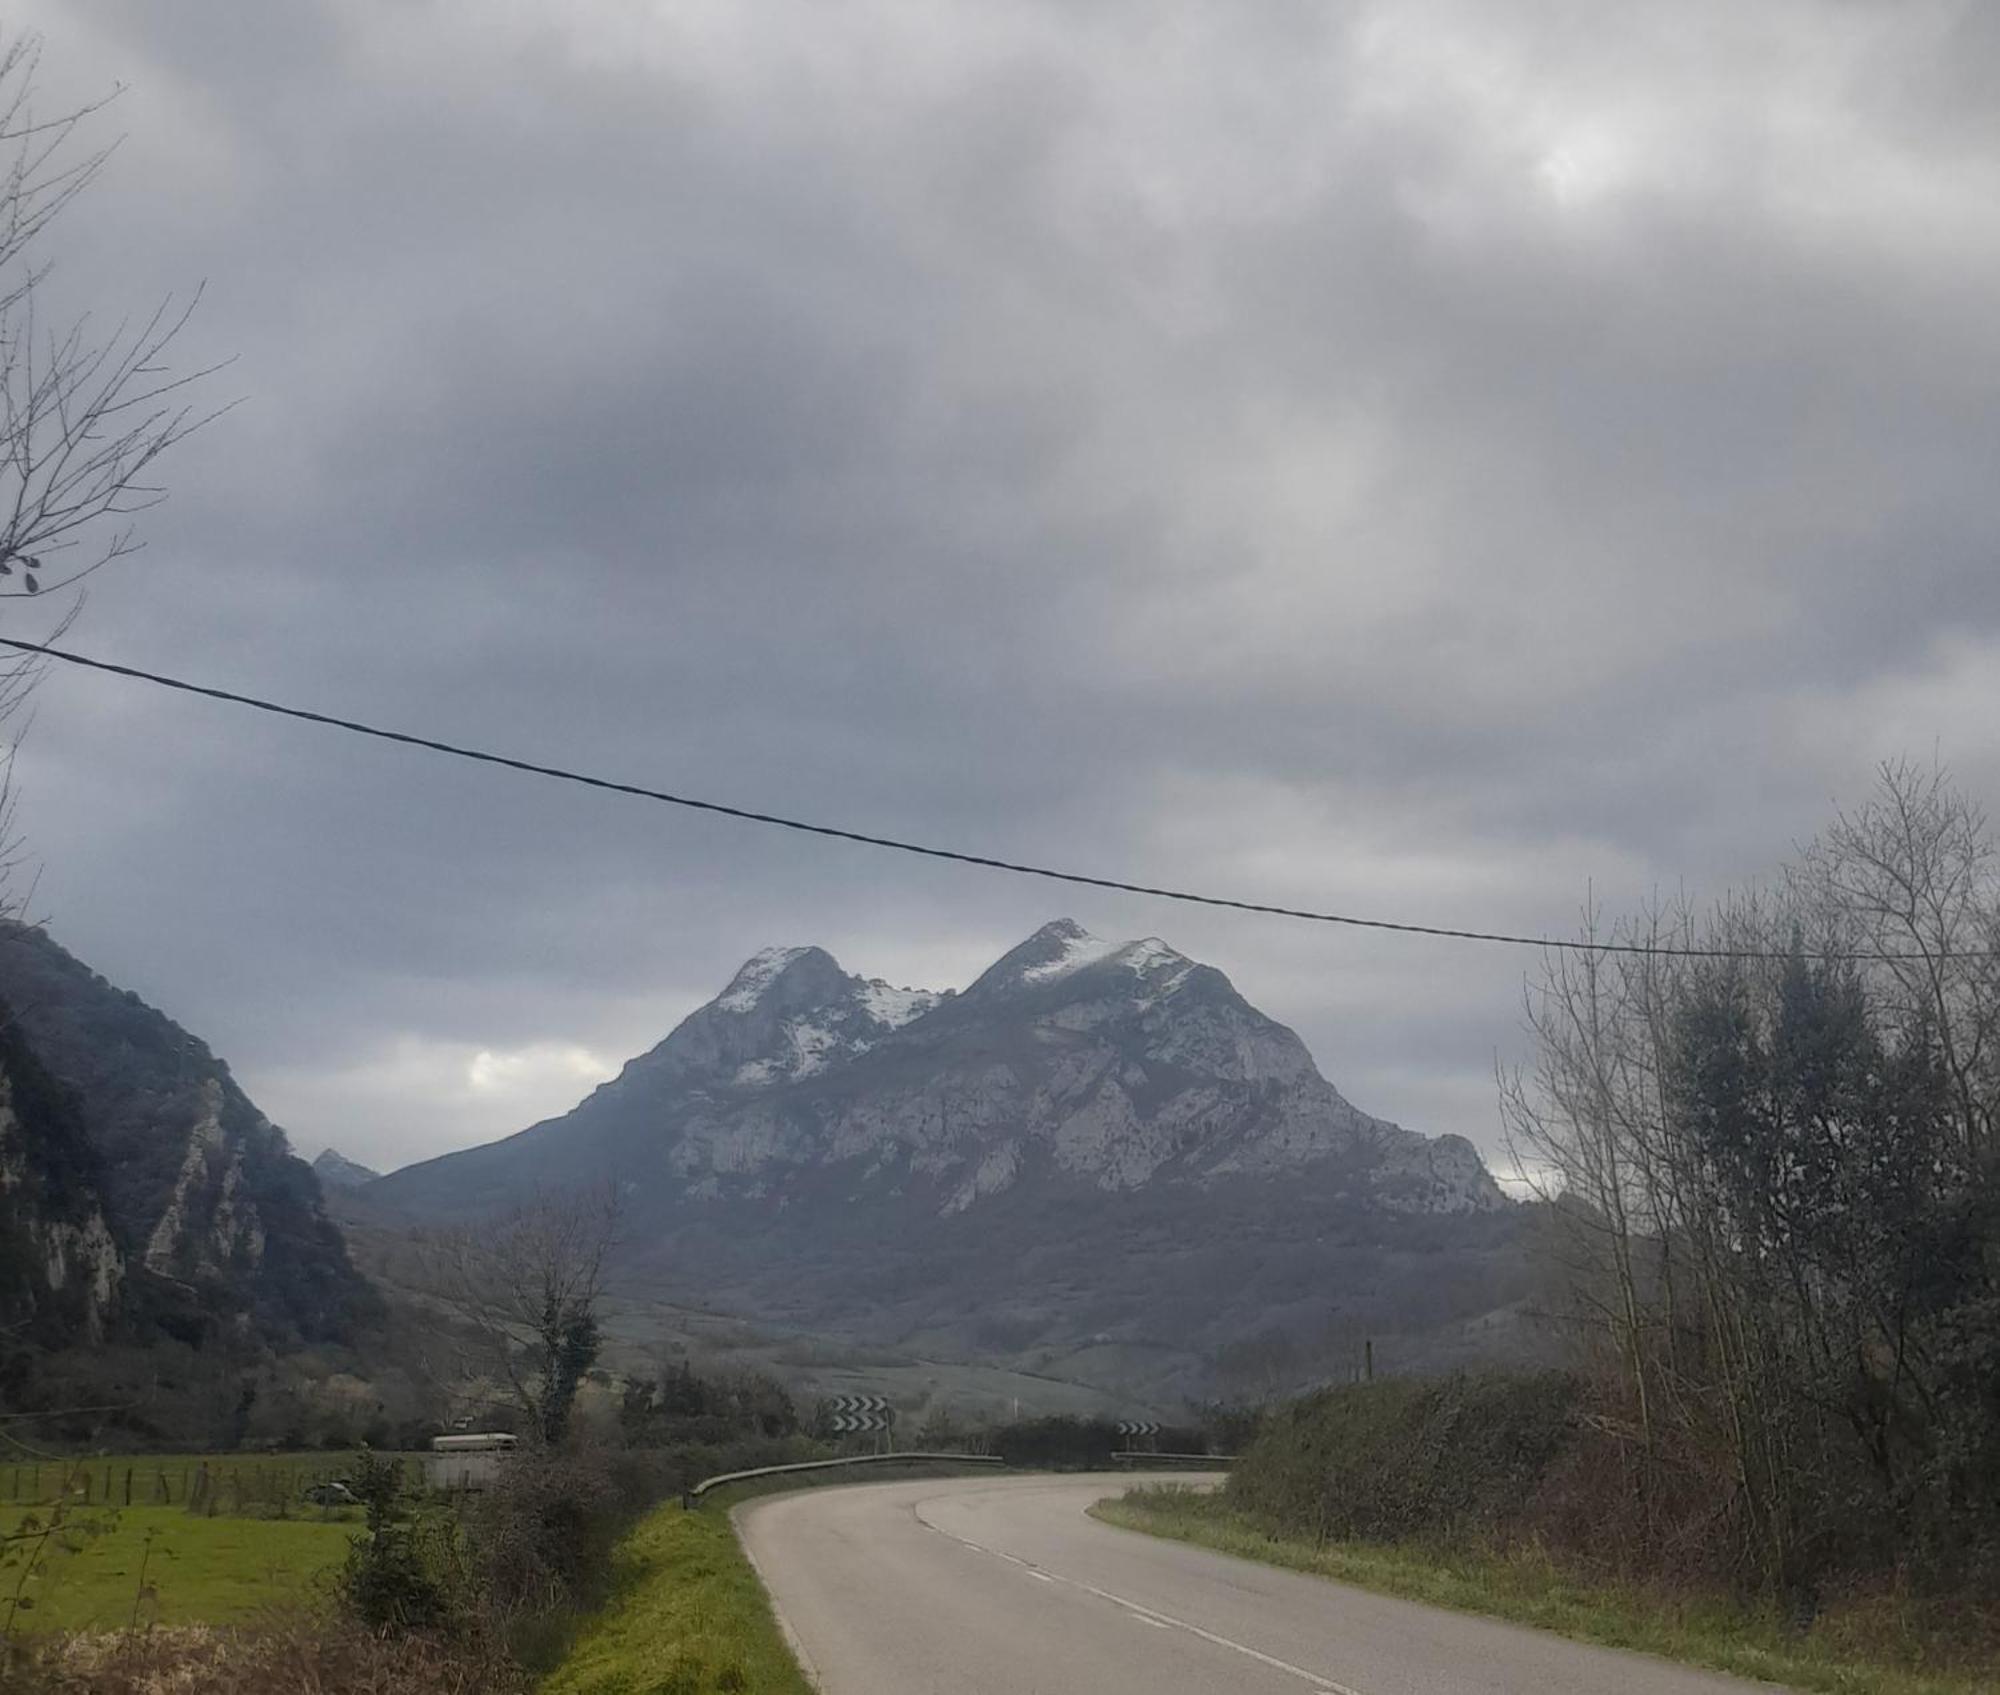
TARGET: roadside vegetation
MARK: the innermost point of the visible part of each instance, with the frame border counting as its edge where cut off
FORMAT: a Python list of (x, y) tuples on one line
[(1866, 1646), (1769, 1141), (687, 1615)]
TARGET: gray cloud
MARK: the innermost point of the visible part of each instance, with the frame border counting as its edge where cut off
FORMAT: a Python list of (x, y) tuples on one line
[(1427, 459)]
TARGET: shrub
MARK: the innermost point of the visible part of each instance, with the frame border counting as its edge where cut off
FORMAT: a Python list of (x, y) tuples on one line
[(408, 1572), (541, 1537), (1404, 1458), (1061, 1443)]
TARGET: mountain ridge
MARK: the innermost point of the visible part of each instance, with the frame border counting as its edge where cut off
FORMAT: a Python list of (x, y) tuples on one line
[(1076, 1125), (1126, 1060)]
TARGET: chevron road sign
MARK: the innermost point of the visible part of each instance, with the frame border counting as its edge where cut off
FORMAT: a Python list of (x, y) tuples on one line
[(1131, 1427), (848, 1414)]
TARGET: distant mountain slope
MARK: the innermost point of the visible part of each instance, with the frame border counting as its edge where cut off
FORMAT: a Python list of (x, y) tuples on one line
[(199, 1191), (336, 1171), (1061, 1141)]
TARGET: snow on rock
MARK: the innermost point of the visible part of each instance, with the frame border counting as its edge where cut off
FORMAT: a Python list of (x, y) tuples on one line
[(759, 972), (811, 1043), (1148, 952), (1077, 948), (1063, 948), (850, 1021), (893, 1007), (1161, 968)]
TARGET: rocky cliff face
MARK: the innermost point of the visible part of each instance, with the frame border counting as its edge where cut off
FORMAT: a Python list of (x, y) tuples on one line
[(196, 1191), (1105, 1138), (60, 1269)]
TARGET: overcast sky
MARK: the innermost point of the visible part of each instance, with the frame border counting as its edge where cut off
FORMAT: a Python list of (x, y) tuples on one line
[(1422, 459)]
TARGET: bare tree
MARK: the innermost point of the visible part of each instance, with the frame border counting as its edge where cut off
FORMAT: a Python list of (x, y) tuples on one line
[(1913, 875), (86, 409), (529, 1286)]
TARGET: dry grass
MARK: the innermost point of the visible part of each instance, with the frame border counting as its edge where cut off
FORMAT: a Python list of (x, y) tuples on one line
[(300, 1654)]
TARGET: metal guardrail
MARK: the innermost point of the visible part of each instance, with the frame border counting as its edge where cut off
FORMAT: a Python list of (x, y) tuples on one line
[(1185, 1459), (690, 1496)]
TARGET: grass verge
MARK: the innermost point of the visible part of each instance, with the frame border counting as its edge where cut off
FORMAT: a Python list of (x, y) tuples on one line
[(687, 1617), (200, 1570), (1865, 1646), (689, 1614)]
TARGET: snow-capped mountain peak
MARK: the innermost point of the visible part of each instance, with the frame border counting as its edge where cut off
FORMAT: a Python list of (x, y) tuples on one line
[(1073, 948), (789, 1013), (755, 976)]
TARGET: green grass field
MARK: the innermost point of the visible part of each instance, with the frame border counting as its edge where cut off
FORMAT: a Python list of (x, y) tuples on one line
[(1879, 1646), (201, 1570), (688, 1617)]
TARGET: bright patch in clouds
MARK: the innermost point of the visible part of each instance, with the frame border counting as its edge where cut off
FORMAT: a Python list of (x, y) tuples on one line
[(460, 1092), (533, 1069)]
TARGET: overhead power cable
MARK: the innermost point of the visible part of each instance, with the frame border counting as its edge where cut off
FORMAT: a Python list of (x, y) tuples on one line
[(431, 744)]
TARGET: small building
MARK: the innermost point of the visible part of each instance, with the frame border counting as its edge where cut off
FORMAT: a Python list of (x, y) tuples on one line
[(466, 1462)]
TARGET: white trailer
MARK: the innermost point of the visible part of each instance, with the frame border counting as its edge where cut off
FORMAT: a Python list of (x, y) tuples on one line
[(466, 1462)]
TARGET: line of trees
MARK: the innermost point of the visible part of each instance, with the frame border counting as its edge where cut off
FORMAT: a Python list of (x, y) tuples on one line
[(1774, 1199)]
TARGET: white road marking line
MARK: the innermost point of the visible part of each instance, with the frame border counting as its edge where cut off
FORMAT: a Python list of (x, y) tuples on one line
[(1318, 1680), (1322, 1684)]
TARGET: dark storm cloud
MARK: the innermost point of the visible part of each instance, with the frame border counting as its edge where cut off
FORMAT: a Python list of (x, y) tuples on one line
[(1424, 459)]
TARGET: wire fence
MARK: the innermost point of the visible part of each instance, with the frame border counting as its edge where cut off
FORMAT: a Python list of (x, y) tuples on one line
[(226, 1485)]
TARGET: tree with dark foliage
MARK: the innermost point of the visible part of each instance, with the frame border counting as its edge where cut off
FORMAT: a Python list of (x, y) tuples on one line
[(529, 1285)]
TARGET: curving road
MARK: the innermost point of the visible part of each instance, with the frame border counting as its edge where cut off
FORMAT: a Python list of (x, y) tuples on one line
[(1002, 1586)]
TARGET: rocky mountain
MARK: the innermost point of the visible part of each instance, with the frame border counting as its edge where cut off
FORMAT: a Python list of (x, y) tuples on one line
[(1105, 1143), (127, 1141), (336, 1171)]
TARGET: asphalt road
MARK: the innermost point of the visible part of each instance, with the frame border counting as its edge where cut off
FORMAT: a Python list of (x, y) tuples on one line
[(1002, 1586)]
